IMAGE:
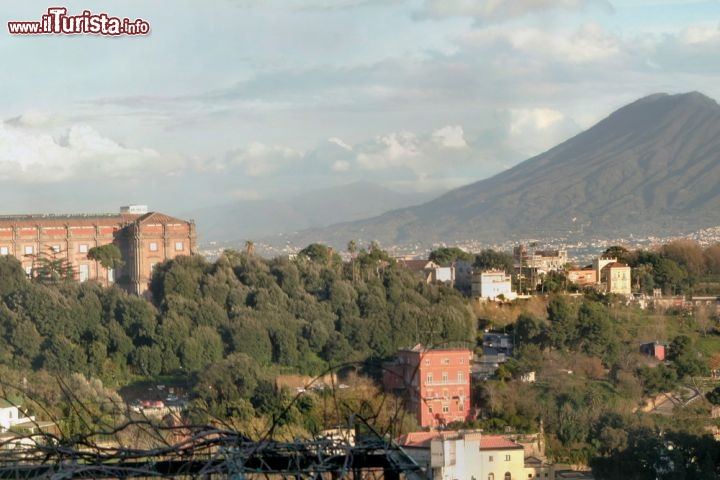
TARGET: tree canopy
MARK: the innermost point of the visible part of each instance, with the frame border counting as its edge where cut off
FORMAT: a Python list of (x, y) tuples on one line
[(108, 255)]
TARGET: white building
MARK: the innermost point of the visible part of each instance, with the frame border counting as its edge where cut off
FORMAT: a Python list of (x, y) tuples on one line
[(444, 274), (540, 260), (493, 285), (473, 455), (10, 416), (18, 432)]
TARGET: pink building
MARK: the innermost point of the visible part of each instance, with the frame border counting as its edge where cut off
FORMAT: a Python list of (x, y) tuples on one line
[(582, 277), (434, 382)]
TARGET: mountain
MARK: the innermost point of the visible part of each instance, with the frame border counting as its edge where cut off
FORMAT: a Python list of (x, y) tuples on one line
[(651, 167), (316, 208)]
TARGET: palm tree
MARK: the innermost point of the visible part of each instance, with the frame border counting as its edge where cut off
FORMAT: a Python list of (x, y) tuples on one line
[(250, 247), (352, 249)]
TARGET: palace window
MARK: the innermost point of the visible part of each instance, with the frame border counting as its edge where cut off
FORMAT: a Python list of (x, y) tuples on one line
[(84, 271)]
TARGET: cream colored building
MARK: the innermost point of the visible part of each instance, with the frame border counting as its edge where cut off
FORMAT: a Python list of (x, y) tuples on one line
[(472, 455), (614, 277), (617, 278)]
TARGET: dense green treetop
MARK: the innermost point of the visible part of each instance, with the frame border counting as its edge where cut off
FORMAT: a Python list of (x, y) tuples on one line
[(301, 315), (447, 255), (490, 259), (108, 255)]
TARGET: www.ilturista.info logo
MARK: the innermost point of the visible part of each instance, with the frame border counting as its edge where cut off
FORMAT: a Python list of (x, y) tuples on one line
[(58, 22)]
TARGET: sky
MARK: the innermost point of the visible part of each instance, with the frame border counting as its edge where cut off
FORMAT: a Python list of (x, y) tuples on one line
[(231, 100)]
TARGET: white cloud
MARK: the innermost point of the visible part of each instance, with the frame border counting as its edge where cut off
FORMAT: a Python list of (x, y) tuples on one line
[(343, 4), (392, 150), (405, 155), (589, 43), (80, 152), (498, 10), (31, 118), (533, 118), (260, 160), (341, 166), (340, 143), (698, 34), (533, 130), (451, 136)]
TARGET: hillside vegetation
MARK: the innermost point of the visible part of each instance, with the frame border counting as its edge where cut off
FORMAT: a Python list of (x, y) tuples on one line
[(225, 330)]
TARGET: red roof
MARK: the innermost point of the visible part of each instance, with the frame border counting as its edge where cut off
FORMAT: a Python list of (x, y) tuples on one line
[(497, 442), (487, 442), (616, 265), (417, 439), (157, 217)]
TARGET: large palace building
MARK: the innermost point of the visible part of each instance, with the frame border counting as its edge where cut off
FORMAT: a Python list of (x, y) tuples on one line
[(143, 238)]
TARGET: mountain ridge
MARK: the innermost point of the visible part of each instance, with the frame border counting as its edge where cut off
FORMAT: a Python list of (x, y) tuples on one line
[(649, 167), (310, 209)]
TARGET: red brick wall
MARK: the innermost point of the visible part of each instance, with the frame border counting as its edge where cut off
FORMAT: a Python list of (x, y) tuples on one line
[(72, 238), (436, 384)]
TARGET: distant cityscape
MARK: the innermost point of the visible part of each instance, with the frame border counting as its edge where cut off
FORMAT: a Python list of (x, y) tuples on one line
[(579, 251)]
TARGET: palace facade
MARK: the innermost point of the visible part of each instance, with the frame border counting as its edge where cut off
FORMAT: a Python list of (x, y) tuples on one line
[(143, 238)]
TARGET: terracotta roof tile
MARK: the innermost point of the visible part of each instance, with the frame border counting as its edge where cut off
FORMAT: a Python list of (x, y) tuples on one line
[(616, 265), (157, 217), (493, 442), (417, 439)]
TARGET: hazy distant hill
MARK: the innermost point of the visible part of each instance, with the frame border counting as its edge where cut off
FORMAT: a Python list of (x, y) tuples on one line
[(650, 167), (251, 219)]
